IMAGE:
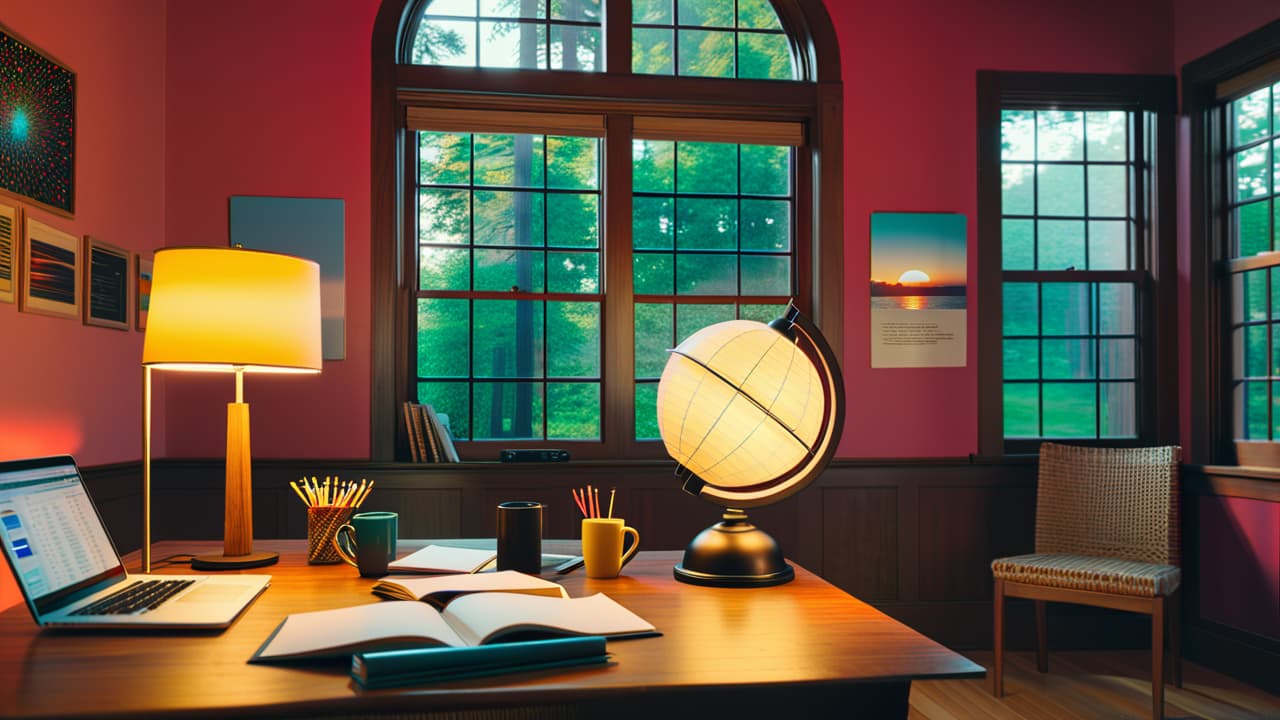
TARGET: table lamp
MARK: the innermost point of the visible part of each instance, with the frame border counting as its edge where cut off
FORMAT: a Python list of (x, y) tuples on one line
[(752, 414), (234, 311)]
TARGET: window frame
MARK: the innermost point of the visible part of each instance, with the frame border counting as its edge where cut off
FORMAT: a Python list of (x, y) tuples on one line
[(1209, 83), (1156, 369), (815, 102)]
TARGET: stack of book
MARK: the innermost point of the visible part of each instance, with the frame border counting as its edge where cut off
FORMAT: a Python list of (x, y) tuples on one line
[(429, 439)]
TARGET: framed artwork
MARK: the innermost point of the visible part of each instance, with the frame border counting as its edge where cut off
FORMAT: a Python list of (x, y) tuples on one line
[(310, 228), (142, 285), (10, 222), (38, 114), (107, 285), (51, 271)]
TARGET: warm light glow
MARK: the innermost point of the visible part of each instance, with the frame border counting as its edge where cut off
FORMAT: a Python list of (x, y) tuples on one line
[(739, 404), (913, 277), (222, 309)]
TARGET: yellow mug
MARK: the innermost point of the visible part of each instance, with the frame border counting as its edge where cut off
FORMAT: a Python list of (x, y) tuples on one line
[(602, 546)]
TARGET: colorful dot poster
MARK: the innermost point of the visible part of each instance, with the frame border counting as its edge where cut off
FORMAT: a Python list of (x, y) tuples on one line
[(37, 125)]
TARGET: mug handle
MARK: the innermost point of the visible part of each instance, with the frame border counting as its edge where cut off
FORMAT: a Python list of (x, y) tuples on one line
[(348, 556), (635, 545)]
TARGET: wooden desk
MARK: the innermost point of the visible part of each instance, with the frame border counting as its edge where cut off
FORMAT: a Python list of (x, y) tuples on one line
[(805, 646)]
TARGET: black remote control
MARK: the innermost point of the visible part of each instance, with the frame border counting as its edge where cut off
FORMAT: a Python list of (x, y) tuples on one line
[(534, 456)]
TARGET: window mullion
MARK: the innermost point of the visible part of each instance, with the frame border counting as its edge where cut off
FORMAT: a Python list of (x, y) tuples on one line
[(618, 315), (617, 40)]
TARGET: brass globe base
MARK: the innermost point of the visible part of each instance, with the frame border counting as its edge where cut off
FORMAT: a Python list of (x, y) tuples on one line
[(733, 553)]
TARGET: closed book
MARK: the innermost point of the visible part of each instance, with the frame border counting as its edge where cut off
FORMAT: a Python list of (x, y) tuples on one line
[(398, 668), (443, 559)]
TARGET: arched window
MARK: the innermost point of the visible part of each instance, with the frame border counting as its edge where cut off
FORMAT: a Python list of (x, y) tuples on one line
[(564, 189)]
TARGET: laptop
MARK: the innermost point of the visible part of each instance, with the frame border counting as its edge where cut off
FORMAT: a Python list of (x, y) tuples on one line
[(71, 575)]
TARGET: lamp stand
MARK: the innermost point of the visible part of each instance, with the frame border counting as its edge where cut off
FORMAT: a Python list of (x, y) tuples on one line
[(734, 553), (237, 542)]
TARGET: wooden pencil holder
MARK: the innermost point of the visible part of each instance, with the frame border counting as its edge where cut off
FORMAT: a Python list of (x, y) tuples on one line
[(322, 524)]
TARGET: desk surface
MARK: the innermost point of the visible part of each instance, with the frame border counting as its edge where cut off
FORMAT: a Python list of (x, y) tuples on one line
[(806, 634)]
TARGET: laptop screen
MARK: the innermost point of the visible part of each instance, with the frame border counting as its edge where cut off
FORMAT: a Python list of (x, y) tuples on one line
[(52, 534)]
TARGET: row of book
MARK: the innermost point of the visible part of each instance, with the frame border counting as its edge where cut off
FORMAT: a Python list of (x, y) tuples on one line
[(429, 440)]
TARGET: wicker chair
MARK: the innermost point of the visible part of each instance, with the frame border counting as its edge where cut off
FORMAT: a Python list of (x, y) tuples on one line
[(1106, 535)]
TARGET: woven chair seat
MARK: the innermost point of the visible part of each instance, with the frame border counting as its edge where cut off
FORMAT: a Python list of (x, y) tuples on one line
[(1084, 572)]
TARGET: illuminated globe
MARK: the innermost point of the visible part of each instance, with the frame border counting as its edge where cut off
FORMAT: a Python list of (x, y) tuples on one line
[(751, 412)]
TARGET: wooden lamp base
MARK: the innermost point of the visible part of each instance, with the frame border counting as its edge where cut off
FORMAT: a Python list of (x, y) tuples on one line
[(237, 545), (233, 562)]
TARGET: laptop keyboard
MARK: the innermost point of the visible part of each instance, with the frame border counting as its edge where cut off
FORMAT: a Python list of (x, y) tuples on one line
[(140, 596)]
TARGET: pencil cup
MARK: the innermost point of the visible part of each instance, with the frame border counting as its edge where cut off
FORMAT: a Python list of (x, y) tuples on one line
[(322, 525), (602, 546)]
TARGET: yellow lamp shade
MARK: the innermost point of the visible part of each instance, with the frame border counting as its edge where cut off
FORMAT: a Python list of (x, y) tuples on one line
[(223, 309), (740, 405)]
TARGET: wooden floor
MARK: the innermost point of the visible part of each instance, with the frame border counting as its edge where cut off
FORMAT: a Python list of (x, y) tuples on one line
[(1090, 686)]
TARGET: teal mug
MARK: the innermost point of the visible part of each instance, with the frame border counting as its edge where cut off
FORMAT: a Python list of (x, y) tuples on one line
[(368, 542)]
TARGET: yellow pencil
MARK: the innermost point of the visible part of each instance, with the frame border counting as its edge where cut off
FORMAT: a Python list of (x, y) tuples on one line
[(612, 491), (301, 497)]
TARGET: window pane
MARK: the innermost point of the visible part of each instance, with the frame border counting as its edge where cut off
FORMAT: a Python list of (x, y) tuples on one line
[(707, 168), (444, 158), (1116, 309), (509, 160), (1018, 189), (652, 223), (1252, 173), (1061, 245), (647, 411), (458, 8), (1021, 410), (1250, 117), (443, 328), (708, 13), (757, 14), (1018, 135), (1060, 190), (1250, 299), (574, 47), (445, 42), (444, 216), (1255, 351), (651, 52), (1108, 245), (1065, 308), (652, 11), (1252, 232), (509, 218), (1068, 359), (573, 219), (766, 170), (1059, 135), (1117, 359), (1021, 309), (766, 275), (570, 272), (1070, 410), (1119, 410), (509, 270), (573, 339), (1108, 191), (653, 166), (1021, 359), (655, 334), (1017, 244), (1255, 411), (1107, 133), (575, 9), (766, 225), (507, 338), (706, 274), (763, 313), (504, 8), (705, 53), (706, 224), (573, 411), (692, 318), (512, 45), (572, 163), (654, 273), (765, 56), (507, 410), (450, 400), (444, 268)]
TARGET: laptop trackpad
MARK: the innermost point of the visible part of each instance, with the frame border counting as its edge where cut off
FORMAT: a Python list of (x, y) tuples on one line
[(208, 593)]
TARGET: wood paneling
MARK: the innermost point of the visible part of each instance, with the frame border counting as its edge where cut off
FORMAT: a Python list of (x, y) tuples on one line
[(860, 541), (962, 529)]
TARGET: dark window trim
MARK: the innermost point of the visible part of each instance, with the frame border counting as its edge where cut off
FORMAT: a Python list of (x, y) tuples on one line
[(818, 101), (1210, 402), (1158, 406)]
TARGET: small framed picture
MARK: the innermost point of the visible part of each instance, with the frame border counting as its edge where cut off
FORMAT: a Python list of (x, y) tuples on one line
[(142, 286), (10, 222), (51, 271), (107, 285)]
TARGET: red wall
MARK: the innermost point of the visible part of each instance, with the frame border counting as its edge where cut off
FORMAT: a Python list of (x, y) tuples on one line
[(68, 387), (272, 98)]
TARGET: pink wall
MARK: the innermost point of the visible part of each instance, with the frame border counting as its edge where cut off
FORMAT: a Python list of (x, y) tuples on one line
[(68, 387), (911, 145), (272, 98), (1240, 563)]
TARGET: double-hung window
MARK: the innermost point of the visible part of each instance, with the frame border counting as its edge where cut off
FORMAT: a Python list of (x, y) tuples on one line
[(1070, 242), (567, 212)]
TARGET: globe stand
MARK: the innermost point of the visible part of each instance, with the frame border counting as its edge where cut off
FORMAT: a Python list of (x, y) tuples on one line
[(733, 553)]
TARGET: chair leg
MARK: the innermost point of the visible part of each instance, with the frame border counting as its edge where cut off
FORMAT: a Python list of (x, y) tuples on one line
[(1175, 635), (1042, 640), (1157, 657), (997, 643)]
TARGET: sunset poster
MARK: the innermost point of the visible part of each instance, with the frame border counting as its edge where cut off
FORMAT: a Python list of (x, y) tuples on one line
[(918, 283)]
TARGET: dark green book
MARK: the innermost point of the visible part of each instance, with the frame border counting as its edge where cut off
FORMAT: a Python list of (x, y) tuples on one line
[(420, 666)]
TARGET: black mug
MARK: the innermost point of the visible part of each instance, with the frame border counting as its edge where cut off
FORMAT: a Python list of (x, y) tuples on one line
[(520, 536)]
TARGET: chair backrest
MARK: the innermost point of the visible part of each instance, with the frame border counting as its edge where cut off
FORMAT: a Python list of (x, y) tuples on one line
[(1109, 502)]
